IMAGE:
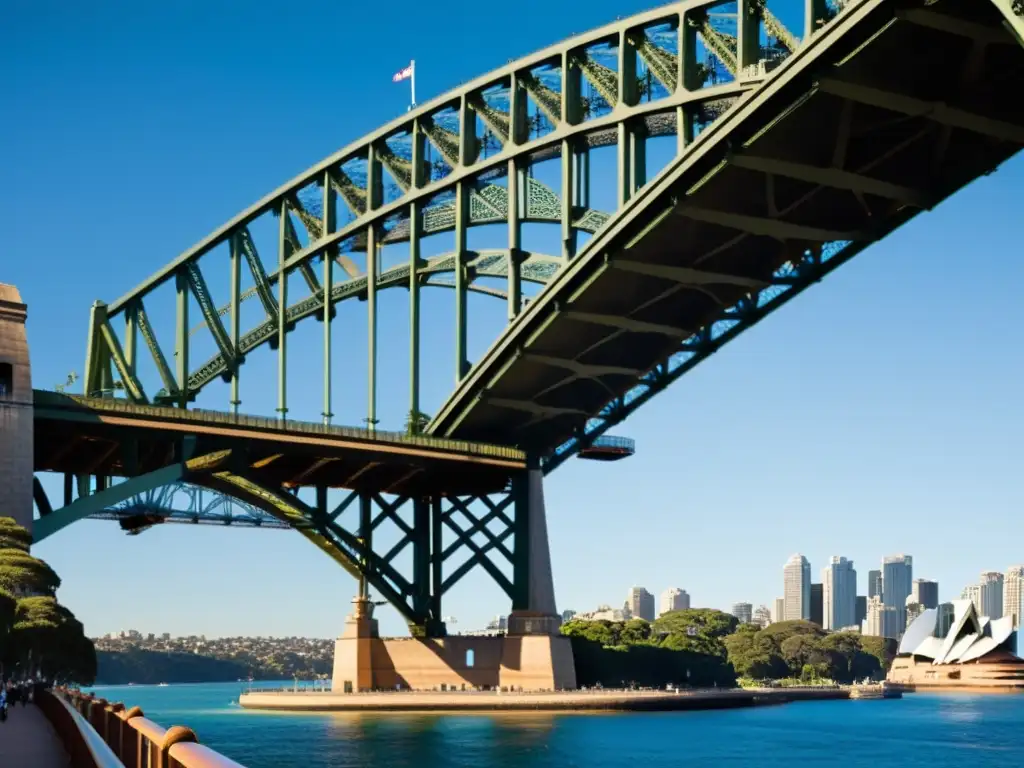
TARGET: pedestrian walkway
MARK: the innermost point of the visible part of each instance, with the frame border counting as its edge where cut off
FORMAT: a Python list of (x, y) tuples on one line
[(27, 739)]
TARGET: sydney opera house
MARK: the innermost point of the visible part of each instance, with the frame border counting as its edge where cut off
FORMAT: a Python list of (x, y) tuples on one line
[(975, 653)]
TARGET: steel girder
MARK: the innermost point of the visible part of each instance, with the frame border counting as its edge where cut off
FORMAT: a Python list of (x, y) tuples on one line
[(879, 201), (489, 531), (185, 503), (432, 170)]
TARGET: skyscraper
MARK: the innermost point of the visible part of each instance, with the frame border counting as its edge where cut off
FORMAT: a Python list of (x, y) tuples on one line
[(992, 595), (882, 620), (972, 592), (874, 583), (817, 605), (1013, 594), (925, 592), (839, 594), (796, 582), (674, 599), (944, 621), (862, 610), (779, 614), (897, 578), (743, 611), (641, 604)]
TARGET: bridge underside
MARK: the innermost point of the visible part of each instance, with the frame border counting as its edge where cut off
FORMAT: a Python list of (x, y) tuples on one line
[(109, 438), (887, 115)]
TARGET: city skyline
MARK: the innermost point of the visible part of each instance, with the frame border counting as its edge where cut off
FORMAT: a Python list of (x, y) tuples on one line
[(854, 378)]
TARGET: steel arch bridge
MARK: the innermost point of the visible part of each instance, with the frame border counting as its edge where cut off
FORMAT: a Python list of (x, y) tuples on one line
[(792, 154)]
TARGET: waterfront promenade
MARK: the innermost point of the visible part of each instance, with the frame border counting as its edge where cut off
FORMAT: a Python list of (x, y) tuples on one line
[(28, 739)]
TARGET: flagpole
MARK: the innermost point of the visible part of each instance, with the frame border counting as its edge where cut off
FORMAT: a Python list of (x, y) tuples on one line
[(412, 81)]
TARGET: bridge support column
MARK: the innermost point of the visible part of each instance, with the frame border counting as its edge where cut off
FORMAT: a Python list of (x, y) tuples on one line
[(536, 655), (16, 428)]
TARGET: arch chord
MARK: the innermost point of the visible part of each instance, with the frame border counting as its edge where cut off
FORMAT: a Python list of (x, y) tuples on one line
[(385, 189)]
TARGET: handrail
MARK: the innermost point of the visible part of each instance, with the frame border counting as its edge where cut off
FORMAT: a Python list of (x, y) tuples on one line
[(133, 740), (99, 751)]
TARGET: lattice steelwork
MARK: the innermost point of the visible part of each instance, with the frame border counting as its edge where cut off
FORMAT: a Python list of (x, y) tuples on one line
[(462, 160), (792, 154), (185, 503)]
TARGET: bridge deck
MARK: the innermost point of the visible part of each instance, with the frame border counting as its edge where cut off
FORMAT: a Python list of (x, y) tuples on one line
[(97, 436), (28, 739), (883, 115)]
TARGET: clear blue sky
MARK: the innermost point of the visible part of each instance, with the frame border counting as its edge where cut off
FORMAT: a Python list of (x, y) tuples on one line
[(878, 413)]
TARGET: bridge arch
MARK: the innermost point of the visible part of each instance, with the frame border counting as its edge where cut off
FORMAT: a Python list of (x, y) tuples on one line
[(462, 160)]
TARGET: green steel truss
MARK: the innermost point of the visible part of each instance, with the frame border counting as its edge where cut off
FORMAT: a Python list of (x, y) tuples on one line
[(464, 159), (442, 539)]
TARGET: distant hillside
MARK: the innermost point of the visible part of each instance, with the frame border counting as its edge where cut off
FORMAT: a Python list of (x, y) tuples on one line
[(151, 667)]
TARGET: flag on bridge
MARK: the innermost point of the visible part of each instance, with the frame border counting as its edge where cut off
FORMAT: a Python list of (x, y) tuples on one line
[(404, 74), (408, 73)]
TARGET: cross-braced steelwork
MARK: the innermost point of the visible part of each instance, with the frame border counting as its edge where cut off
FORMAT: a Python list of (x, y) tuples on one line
[(185, 503), (788, 155)]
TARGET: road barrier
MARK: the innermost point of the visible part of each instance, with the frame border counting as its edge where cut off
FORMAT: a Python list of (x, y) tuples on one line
[(100, 734)]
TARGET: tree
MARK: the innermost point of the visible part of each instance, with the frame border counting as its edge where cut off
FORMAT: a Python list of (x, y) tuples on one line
[(882, 648), (416, 422), (35, 630), (700, 630)]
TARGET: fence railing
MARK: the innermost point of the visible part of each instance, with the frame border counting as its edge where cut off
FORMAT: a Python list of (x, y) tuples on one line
[(88, 724)]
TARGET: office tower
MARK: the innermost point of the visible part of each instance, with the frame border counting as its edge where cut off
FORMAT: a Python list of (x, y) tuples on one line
[(991, 595), (972, 592), (743, 611), (839, 594), (944, 621), (882, 620), (796, 583), (1013, 594), (780, 609), (862, 610), (762, 616), (874, 583), (817, 605), (897, 579), (925, 592), (567, 615), (674, 599), (913, 609), (641, 604)]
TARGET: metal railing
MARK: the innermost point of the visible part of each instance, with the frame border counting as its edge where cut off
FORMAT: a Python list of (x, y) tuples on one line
[(100, 734), (56, 400)]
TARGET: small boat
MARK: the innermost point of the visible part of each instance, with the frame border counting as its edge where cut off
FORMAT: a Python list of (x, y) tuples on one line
[(161, 685), (875, 691)]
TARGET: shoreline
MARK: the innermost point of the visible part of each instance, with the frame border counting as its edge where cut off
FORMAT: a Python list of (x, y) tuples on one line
[(563, 701)]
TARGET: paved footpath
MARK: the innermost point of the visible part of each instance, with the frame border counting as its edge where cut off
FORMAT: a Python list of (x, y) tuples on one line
[(27, 739)]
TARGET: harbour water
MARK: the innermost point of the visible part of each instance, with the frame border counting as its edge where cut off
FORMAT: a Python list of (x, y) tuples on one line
[(933, 730)]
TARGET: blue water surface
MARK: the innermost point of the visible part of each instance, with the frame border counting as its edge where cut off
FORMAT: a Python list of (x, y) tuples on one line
[(927, 730)]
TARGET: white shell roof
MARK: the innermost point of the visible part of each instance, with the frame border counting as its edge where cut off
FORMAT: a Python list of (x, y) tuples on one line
[(969, 638)]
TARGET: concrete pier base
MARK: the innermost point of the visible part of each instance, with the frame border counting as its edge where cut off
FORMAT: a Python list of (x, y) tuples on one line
[(16, 427)]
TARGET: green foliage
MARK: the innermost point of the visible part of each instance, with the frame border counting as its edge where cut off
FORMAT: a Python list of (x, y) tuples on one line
[(635, 652), (699, 630), (139, 665), (802, 650), (416, 422), (37, 634), (13, 536), (20, 572), (882, 649)]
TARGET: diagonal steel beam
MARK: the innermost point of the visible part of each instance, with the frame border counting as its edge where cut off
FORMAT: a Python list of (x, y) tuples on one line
[(933, 110), (685, 275), (831, 177), (757, 225), (628, 324), (582, 370), (942, 22), (1013, 17)]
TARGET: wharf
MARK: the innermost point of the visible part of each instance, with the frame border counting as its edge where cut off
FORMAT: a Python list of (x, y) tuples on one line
[(536, 701)]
